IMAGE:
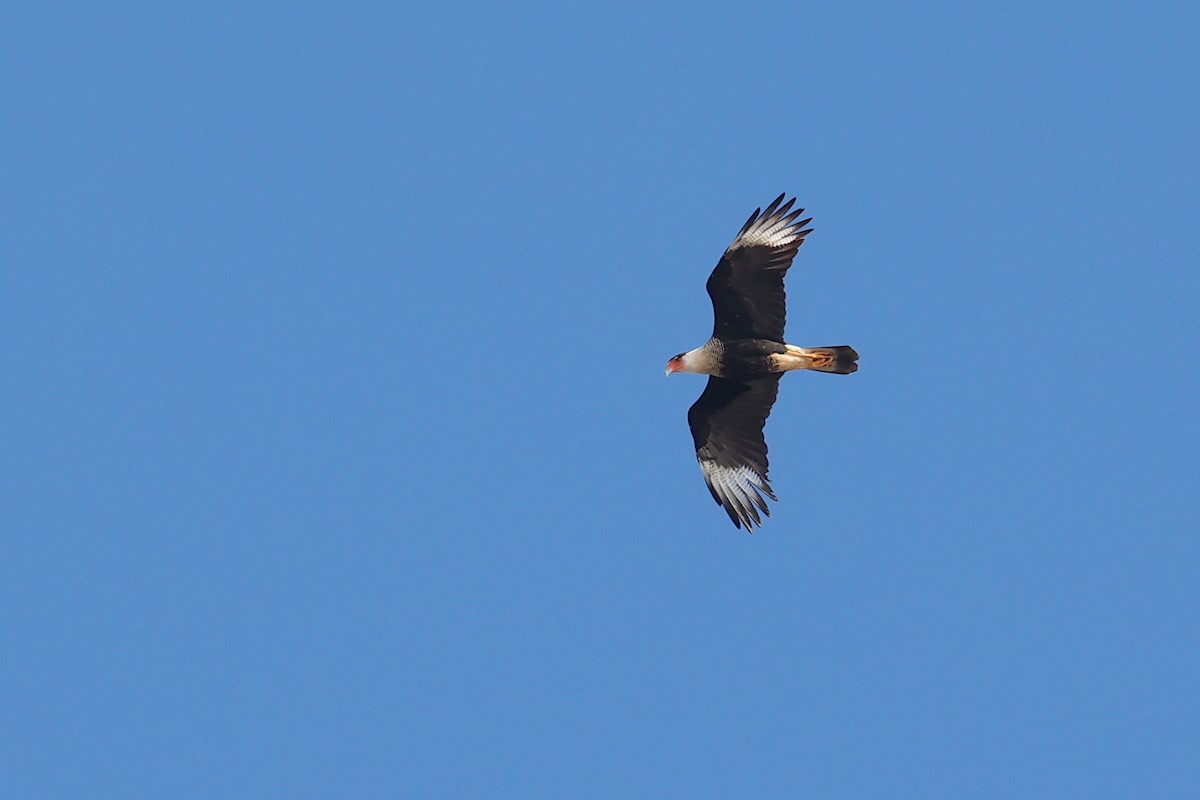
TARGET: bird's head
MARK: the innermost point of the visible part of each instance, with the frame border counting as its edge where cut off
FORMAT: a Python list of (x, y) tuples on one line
[(675, 364)]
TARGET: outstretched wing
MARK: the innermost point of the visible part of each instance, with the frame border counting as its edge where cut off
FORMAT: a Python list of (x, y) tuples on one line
[(727, 427), (747, 285)]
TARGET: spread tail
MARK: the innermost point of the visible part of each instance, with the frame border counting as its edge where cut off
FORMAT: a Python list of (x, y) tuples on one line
[(841, 359)]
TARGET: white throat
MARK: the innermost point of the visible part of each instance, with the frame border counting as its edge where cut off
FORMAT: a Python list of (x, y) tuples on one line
[(698, 361)]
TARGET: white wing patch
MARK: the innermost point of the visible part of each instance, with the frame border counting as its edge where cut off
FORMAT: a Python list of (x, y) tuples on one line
[(776, 227), (738, 490), (776, 233)]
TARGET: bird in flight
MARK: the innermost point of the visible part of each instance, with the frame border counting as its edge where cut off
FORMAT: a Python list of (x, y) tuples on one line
[(746, 357)]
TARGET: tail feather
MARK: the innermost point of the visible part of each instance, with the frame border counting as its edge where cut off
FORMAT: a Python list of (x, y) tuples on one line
[(840, 359)]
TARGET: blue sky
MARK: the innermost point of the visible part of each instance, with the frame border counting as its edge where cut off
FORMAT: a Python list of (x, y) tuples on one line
[(339, 461)]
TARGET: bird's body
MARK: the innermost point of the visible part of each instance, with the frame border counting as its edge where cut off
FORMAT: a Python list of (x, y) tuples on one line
[(745, 358)]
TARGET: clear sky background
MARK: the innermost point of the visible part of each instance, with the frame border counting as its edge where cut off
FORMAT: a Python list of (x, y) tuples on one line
[(338, 460)]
